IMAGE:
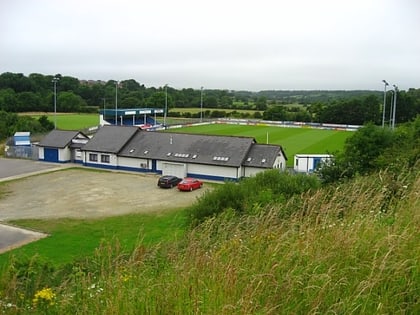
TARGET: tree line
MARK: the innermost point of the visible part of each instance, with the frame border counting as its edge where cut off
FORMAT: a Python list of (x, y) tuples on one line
[(35, 92)]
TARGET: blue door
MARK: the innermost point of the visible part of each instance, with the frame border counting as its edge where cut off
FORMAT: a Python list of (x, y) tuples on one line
[(50, 155), (316, 162)]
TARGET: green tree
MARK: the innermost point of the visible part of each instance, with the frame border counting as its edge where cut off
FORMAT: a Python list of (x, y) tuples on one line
[(8, 100), (69, 102), (275, 113), (130, 102), (361, 154), (28, 101), (45, 123), (261, 103)]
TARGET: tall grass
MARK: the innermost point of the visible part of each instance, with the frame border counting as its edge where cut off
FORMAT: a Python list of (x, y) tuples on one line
[(351, 249)]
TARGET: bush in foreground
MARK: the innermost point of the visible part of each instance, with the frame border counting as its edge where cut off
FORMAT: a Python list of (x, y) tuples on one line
[(251, 194)]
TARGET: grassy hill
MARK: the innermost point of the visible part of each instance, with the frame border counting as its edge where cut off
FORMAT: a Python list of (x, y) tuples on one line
[(352, 248)]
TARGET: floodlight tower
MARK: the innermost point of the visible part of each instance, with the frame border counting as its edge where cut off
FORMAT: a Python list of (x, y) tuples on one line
[(394, 106), (384, 107), (201, 105), (166, 106), (116, 102), (55, 80)]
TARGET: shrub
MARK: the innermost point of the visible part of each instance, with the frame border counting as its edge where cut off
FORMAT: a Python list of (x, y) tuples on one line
[(251, 194)]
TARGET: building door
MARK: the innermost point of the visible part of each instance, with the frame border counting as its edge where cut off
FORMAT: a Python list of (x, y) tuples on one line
[(176, 169), (51, 155), (316, 162)]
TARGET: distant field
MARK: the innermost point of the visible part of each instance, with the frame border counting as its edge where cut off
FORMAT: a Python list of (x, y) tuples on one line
[(72, 121), (195, 110), (293, 140)]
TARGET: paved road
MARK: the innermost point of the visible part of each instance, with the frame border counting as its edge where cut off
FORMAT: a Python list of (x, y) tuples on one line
[(16, 168), (10, 236)]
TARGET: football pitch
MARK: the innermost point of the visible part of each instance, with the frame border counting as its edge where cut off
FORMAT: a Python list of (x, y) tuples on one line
[(293, 140)]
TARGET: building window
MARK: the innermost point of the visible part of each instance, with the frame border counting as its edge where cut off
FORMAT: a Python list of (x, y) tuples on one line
[(105, 158), (93, 157)]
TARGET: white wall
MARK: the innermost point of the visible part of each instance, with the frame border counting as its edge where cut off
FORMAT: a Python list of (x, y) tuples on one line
[(251, 171), (112, 159), (176, 169), (64, 155), (306, 163), (280, 162), (134, 163), (214, 170), (40, 153)]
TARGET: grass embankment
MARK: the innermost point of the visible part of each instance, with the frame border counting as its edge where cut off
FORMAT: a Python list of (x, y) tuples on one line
[(352, 248)]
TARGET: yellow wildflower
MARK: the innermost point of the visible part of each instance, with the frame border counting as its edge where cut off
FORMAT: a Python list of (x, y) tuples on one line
[(44, 296)]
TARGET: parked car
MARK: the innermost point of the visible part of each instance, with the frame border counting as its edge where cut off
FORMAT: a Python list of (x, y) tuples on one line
[(189, 184), (168, 181)]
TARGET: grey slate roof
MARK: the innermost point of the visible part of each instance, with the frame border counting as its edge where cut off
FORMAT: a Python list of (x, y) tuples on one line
[(262, 155), (191, 148), (110, 139), (59, 138)]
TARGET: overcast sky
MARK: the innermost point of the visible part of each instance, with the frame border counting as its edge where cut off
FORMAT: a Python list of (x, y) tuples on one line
[(224, 44)]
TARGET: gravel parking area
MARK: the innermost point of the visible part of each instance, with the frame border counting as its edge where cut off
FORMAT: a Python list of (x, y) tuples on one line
[(33, 189), (85, 193)]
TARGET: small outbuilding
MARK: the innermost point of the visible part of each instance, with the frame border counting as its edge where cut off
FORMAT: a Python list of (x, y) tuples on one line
[(307, 163), (22, 138), (62, 146)]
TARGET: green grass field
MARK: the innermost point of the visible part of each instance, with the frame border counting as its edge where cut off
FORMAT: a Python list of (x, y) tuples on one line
[(293, 140), (72, 121), (78, 239)]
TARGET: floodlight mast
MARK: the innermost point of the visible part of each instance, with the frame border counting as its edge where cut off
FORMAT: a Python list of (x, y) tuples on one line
[(166, 106), (384, 107), (394, 106), (116, 102), (55, 80), (201, 105)]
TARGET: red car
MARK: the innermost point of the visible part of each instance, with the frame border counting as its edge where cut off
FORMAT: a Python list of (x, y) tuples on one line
[(189, 184)]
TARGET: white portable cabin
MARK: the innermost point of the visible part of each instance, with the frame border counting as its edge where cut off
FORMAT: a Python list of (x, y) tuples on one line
[(307, 163)]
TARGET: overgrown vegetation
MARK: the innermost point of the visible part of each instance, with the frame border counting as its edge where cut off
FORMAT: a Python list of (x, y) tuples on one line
[(251, 195), (372, 148), (11, 123), (338, 251), (272, 244)]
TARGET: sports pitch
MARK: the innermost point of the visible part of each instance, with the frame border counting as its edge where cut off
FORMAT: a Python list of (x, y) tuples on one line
[(293, 140)]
